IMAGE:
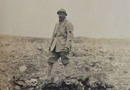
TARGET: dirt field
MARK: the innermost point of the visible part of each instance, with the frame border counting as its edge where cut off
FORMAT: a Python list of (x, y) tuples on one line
[(95, 64)]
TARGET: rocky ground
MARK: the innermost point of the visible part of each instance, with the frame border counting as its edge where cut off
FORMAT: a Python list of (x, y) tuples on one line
[(95, 64)]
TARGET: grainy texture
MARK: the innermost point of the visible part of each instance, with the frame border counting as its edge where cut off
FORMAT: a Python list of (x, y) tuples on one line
[(94, 64)]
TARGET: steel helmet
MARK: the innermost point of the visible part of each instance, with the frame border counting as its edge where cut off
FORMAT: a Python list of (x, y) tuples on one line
[(62, 10)]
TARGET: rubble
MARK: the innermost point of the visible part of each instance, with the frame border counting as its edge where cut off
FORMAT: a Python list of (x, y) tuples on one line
[(95, 64)]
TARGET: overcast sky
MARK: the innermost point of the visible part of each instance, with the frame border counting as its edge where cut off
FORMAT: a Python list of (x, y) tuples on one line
[(91, 18)]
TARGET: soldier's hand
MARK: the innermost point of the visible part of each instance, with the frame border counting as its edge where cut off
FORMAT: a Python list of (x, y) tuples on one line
[(65, 49), (49, 49)]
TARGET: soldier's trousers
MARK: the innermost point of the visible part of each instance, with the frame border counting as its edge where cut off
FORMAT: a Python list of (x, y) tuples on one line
[(54, 56)]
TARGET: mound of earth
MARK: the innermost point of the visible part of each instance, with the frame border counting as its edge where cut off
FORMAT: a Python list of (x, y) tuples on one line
[(95, 64)]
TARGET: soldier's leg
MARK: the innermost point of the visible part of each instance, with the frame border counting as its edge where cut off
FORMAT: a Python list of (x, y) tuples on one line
[(52, 59), (65, 62), (50, 66), (64, 58)]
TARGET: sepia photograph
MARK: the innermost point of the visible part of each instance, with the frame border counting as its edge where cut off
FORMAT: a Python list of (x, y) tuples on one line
[(65, 45)]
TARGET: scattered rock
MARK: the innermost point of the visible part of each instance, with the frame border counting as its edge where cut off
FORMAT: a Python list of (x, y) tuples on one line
[(23, 68), (94, 65)]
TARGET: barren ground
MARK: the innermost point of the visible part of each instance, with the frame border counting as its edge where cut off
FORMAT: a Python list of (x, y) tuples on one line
[(95, 64)]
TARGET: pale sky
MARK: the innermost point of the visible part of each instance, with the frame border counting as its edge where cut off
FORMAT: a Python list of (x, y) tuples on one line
[(91, 18)]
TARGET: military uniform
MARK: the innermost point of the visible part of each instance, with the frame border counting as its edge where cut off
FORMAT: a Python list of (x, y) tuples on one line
[(61, 39)]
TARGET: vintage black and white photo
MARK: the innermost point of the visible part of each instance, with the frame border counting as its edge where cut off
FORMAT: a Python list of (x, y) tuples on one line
[(64, 45)]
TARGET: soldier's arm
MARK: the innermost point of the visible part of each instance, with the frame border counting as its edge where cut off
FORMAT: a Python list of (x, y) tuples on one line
[(70, 36)]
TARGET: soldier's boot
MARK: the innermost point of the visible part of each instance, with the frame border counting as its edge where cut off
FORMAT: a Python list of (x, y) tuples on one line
[(50, 66)]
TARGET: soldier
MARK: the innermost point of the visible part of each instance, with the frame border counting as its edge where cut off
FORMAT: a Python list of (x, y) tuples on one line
[(60, 45)]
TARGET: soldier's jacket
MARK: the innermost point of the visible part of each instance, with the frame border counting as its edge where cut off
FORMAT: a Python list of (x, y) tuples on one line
[(62, 36)]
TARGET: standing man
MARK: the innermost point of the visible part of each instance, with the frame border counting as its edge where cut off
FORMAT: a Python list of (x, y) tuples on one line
[(60, 45)]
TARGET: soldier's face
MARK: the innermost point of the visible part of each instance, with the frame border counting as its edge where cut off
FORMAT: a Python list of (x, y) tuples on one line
[(61, 15)]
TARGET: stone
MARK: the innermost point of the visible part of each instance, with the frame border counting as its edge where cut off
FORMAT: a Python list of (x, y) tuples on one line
[(23, 68)]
